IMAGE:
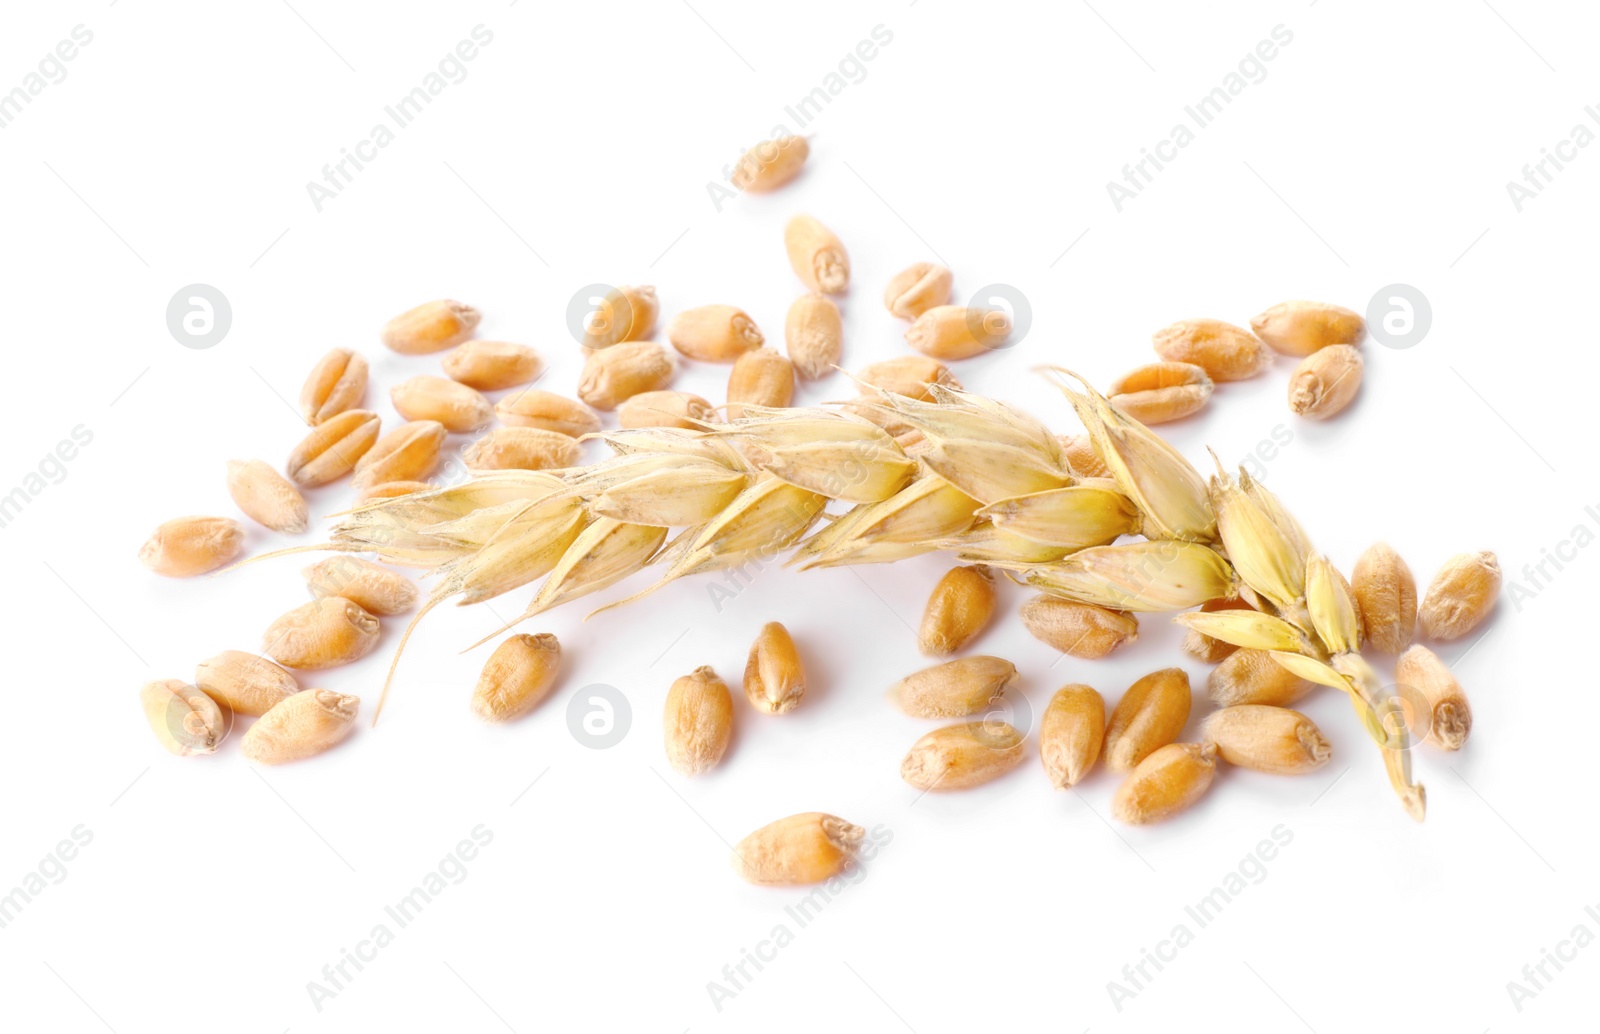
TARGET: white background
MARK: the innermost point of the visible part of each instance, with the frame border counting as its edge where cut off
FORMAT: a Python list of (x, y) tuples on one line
[(578, 149)]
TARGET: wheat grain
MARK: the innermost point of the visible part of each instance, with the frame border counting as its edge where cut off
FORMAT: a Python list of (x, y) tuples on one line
[(806, 848), (774, 678), (184, 720), (1165, 783), (187, 546), (1150, 715), (714, 333), (1225, 352), (957, 610), (1162, 392), (698, 721), (916, 289), (431, 327), (1460, 596), (1070, 734), (817, 255), (300, 726), (266, 496), (492, 365), (335, 384), (1301, 328), (770, 164)]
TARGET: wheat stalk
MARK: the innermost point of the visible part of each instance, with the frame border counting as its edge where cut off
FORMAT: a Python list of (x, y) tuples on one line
[(980, 479)]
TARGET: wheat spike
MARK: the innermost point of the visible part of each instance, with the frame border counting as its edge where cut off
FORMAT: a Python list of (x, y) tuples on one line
[(986, 483)]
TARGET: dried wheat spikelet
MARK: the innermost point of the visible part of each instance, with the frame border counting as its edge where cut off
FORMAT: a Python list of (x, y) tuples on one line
[(987, 484)]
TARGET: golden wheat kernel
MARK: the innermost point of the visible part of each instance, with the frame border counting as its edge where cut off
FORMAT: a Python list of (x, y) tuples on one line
[(698, 721), (547, 411), (817, 255), (774, 677), (625, 314), (517, 676), (335, 384), (1224, 351), (910, 375), (958, 757), (266, 497), (1082, 459), (186, 546), (372, 587), (492, 365), (521, 448), (391, 490), (1070, 734), (813, 333), (243, 682), (1326, 382), (678, 409), (1461, 595), (1266, 739), (613, 375), (1150, 715), (958, 609), (801, 849), (321, 634), (1161, 392), (714, 333), (957, 332), (955, 688), (431, 327), (185, 720), (459, 408), (1206, 648), (760, 378), (770, 164), (1079, 630), (1386, 595), (301, 726), (1252, 677), (410, 452), (332, 448), (916, 289), (1301, 328), (1450, 716), (1165, 783)]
